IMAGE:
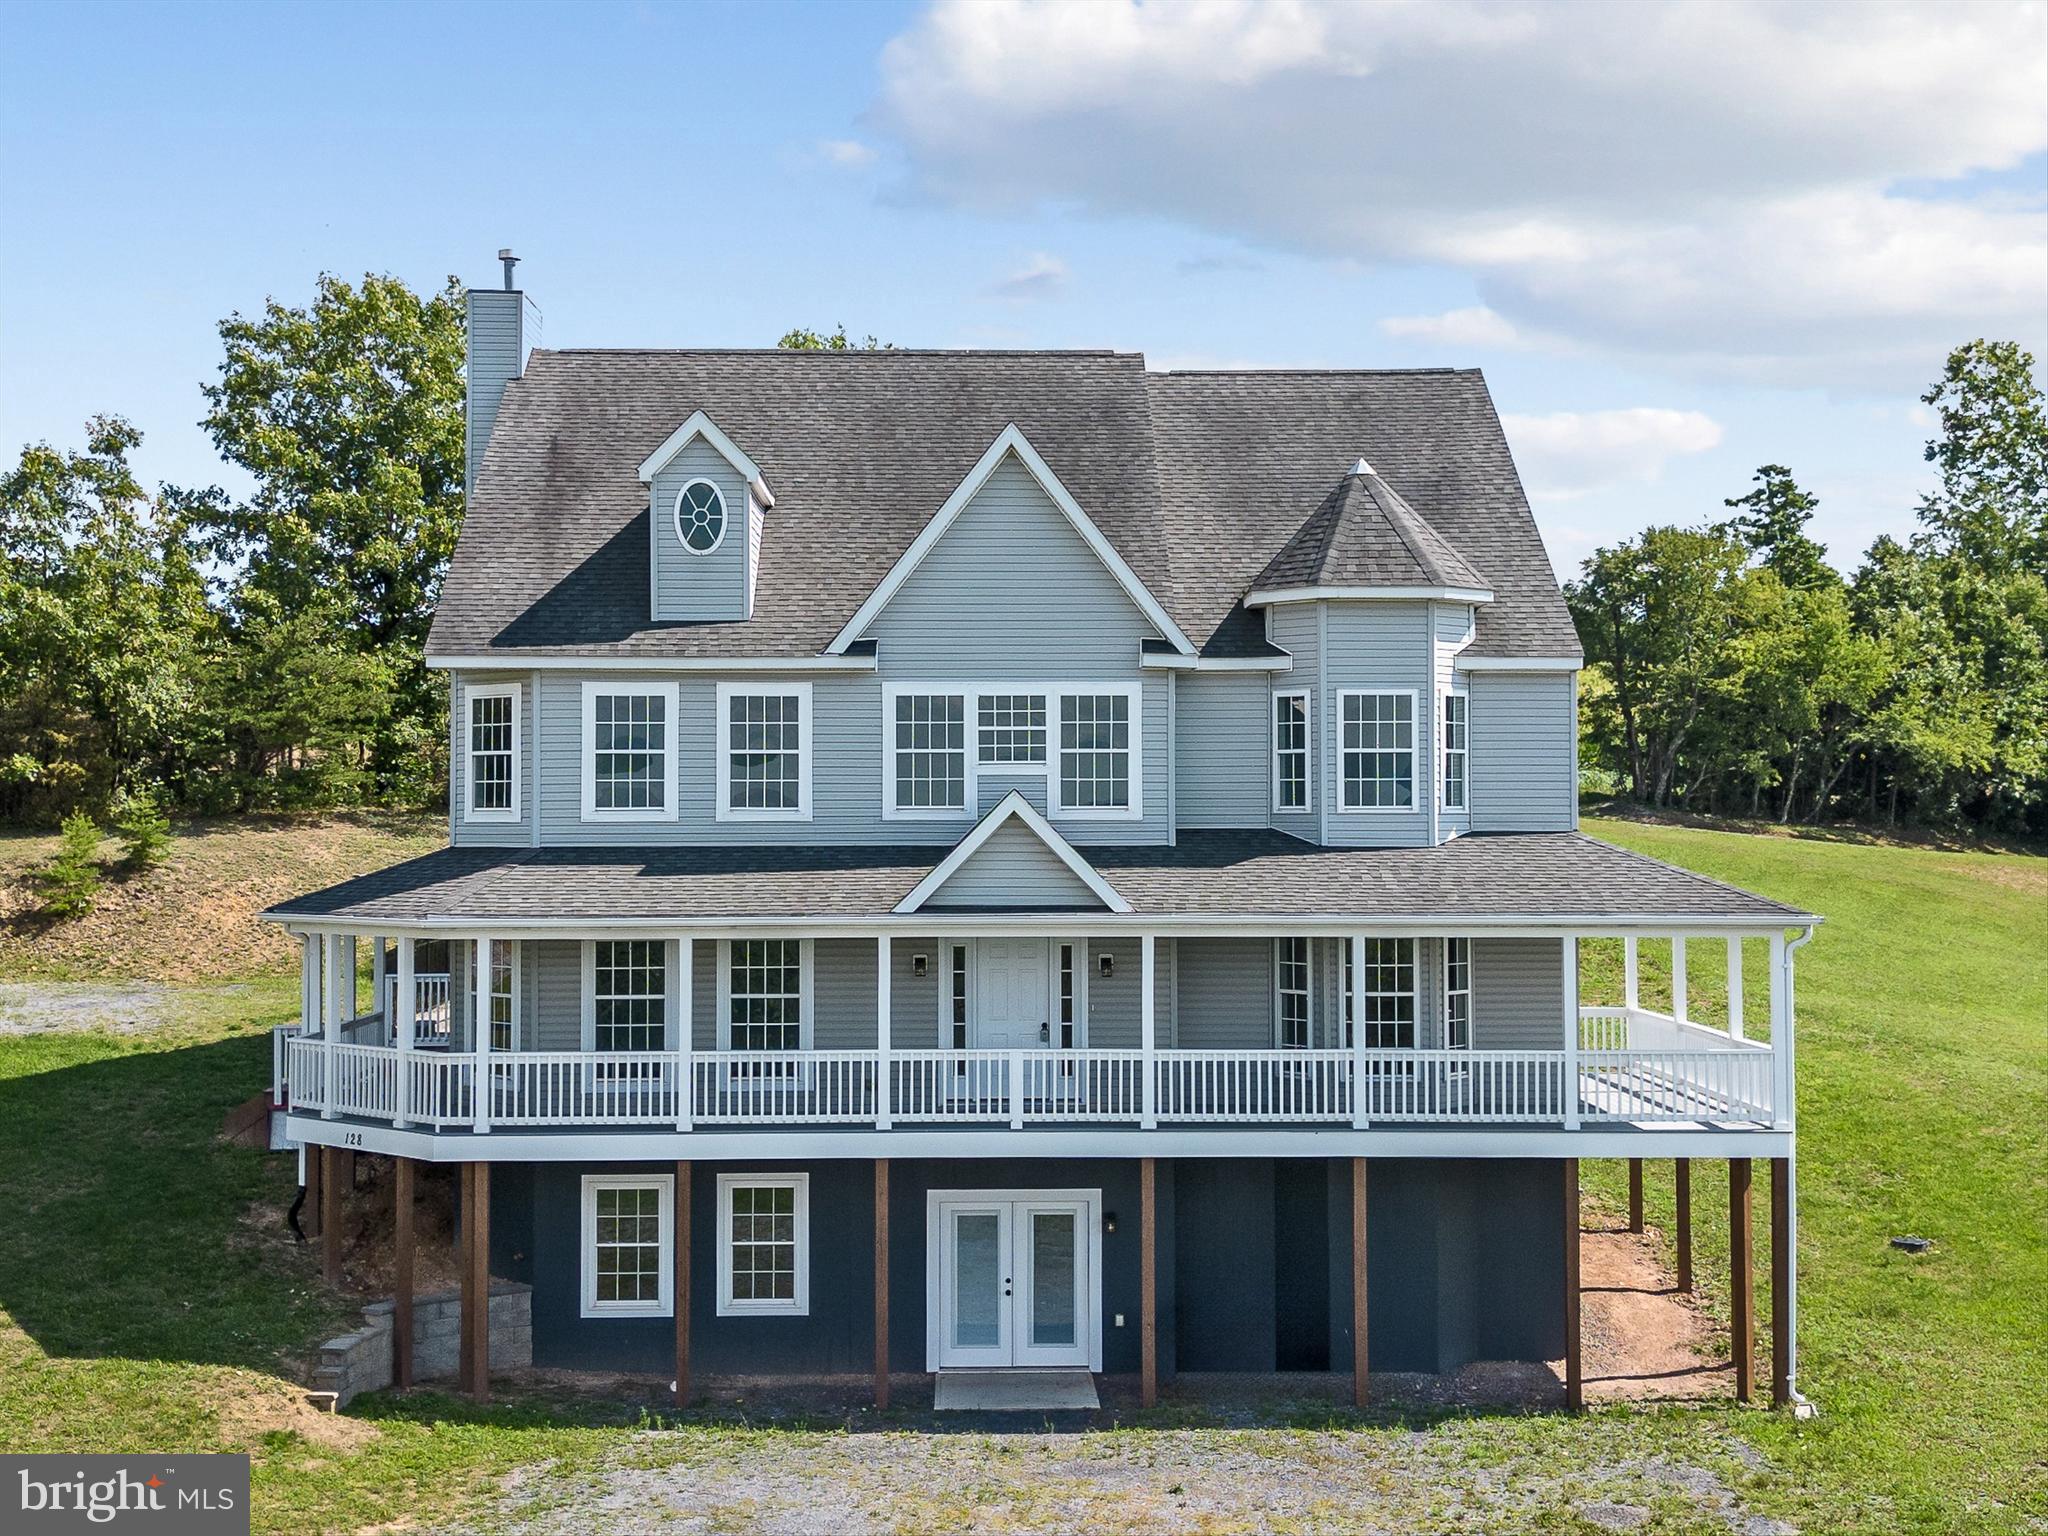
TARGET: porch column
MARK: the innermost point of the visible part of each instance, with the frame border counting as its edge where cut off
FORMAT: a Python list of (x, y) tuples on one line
[(1741, 1279), (1574, 1371), (1631, 974), (686, 1033), (1679, 1009), (330, 1215), (480, 1035), (884, 1087), (331, 1018), (477, 1226), (380, 998), (882, 1279), (1569, 958), (1782, 1105), (1360, 1075), (681, 1247), (404, 1025), (401, 1272), (1148, 1278), (1359, 1353), (1735, 987), (1781, 1281), (1148, 1040), (1682, 1220), (309, 984)]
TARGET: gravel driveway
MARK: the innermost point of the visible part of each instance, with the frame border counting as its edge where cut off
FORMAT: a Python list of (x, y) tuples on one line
[(41, 1007)]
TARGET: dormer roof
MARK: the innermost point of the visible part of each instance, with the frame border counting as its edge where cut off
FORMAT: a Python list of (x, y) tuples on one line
[(1365, 540)]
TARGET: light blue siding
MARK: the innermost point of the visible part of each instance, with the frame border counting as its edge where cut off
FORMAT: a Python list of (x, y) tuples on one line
[(1375, 646), (489, 834), (1221, 742), (1454, 624), (1523, 752), (690, 586), (1517, 995), (1297, 628), (1225, 993), (1014, 868), (497, 355)]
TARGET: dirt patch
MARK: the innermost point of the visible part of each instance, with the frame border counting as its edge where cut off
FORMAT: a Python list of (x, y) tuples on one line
[(47, 1007), (1641, 1338), (251, 1407)]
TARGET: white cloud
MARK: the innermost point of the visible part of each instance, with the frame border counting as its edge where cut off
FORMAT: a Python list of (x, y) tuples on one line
[(1040, 276), (1567, 454), (1474, 327), (850, 153), (1710, 185)]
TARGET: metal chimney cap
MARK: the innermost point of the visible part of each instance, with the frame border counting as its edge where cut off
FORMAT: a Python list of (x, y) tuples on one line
[(505, 255)]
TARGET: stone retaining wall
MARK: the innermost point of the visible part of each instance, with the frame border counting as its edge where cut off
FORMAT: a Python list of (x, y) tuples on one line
[(361, 1361)]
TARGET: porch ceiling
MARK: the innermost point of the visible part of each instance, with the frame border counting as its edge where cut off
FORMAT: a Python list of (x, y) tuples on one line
[(1488, 879)]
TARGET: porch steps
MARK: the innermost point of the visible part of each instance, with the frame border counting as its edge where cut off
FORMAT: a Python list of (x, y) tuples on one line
[(1013, 1391)]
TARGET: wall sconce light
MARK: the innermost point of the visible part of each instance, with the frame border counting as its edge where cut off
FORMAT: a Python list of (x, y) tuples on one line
[(1109, 1221), (1105, 965), (920, 964)]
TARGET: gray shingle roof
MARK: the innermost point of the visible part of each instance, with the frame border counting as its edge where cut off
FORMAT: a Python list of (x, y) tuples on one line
[(1197, 479), (1554, 876), (1365, 535)]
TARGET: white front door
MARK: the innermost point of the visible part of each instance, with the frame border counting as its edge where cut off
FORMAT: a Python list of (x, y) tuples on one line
[(1013, 995), (1016, 1279)]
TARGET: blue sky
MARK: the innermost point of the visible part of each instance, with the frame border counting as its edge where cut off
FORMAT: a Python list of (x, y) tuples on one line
[(1666, 281)]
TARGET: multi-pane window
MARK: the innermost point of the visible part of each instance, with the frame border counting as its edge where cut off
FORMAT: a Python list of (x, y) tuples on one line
[(763, 1242), (629, 747), (1457, 725), (493, 754), (764, 769), (1458, 994), (700, 517), (629, 995), (765, 981), (628, 1252), (1095, 751), (1389, 993), (931, 752), (1291, 976), (1290, 752), (1379, 751), (504, 997), (1069, 984), (956, 995), (1012, 727)]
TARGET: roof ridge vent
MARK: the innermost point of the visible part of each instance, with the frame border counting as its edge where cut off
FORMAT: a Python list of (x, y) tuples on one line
[(1363, 468)]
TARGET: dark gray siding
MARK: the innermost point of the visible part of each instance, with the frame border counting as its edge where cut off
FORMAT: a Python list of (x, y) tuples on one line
[(1524, 752)]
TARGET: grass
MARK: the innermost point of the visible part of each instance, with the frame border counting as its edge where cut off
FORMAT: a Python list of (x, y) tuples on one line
[(149, 1297)]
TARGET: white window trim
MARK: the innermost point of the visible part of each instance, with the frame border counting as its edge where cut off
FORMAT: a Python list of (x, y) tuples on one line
[(806, 981), (1414, 994), (592, 691), (971, 695), (1415, 735), (891, 811), (675, 516), (674, 1009), (1444, 754), (722, 742), (1308, 751), (800, 1304), (1466, 991), (1309, 955), (1081, 958), (665, 1305), (470, 695)]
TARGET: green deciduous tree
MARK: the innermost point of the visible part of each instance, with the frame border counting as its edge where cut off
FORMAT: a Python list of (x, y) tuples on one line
[(1992, 453), (801, 340), (1771, 519)]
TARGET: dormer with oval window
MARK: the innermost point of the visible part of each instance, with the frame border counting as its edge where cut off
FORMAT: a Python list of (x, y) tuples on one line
[(707, 500)]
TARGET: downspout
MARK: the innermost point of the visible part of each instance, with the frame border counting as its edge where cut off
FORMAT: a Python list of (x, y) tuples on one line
[(1801, 1406)]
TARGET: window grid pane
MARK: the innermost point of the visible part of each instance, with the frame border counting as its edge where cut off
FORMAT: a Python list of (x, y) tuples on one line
[(630, 983), (1012, 727), (764, 733), (630, 738), (931, 751), (1458, 993), (763, 1242), (1290, 751), (1455, 735), (490, 752), (959, 996), (1379, 751), (767, 995), (1389, 993), (628, 1242), (1294, 995), (501, 994), (1095, 751)]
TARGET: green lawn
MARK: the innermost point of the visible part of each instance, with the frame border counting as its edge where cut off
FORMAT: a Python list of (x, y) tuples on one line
[(148, 1299)]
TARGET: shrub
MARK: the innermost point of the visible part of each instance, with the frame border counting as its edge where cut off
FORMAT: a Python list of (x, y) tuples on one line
[(71, 880), (145, 831)]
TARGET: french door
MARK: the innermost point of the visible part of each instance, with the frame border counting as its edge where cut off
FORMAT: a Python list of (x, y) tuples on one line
[(1016, 1279)]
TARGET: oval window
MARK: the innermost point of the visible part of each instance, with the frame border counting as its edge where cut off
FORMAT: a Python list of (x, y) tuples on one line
[(700, 517)]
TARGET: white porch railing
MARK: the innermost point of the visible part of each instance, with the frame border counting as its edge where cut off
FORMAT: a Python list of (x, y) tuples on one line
[(430, 1006)]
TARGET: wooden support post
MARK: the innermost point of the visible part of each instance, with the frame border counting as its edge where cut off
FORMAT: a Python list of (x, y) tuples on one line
[(401, 1272), (479, 1225), (882, 1281), (1741, 1279), (1781, 1282), (309, 1207), (1360, 1356), (1682, 1200), (465, 1354), (1635, 1194), (682, 1283), (1148, 1281), (1574, 1372), (330, 1215)]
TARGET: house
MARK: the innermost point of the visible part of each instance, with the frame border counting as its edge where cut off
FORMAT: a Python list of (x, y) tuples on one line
[(1010, 859)]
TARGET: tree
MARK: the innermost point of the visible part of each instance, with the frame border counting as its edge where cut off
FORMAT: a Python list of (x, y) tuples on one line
[(1771, 519), (71, 880), (837, 341), (349, 414), (1992, 507)]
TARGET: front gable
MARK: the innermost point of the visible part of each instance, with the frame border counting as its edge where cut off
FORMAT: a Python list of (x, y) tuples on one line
[(1015, 859), (694, 573)]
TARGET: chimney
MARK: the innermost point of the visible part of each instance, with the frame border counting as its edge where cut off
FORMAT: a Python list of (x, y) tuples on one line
[(497, 356)]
